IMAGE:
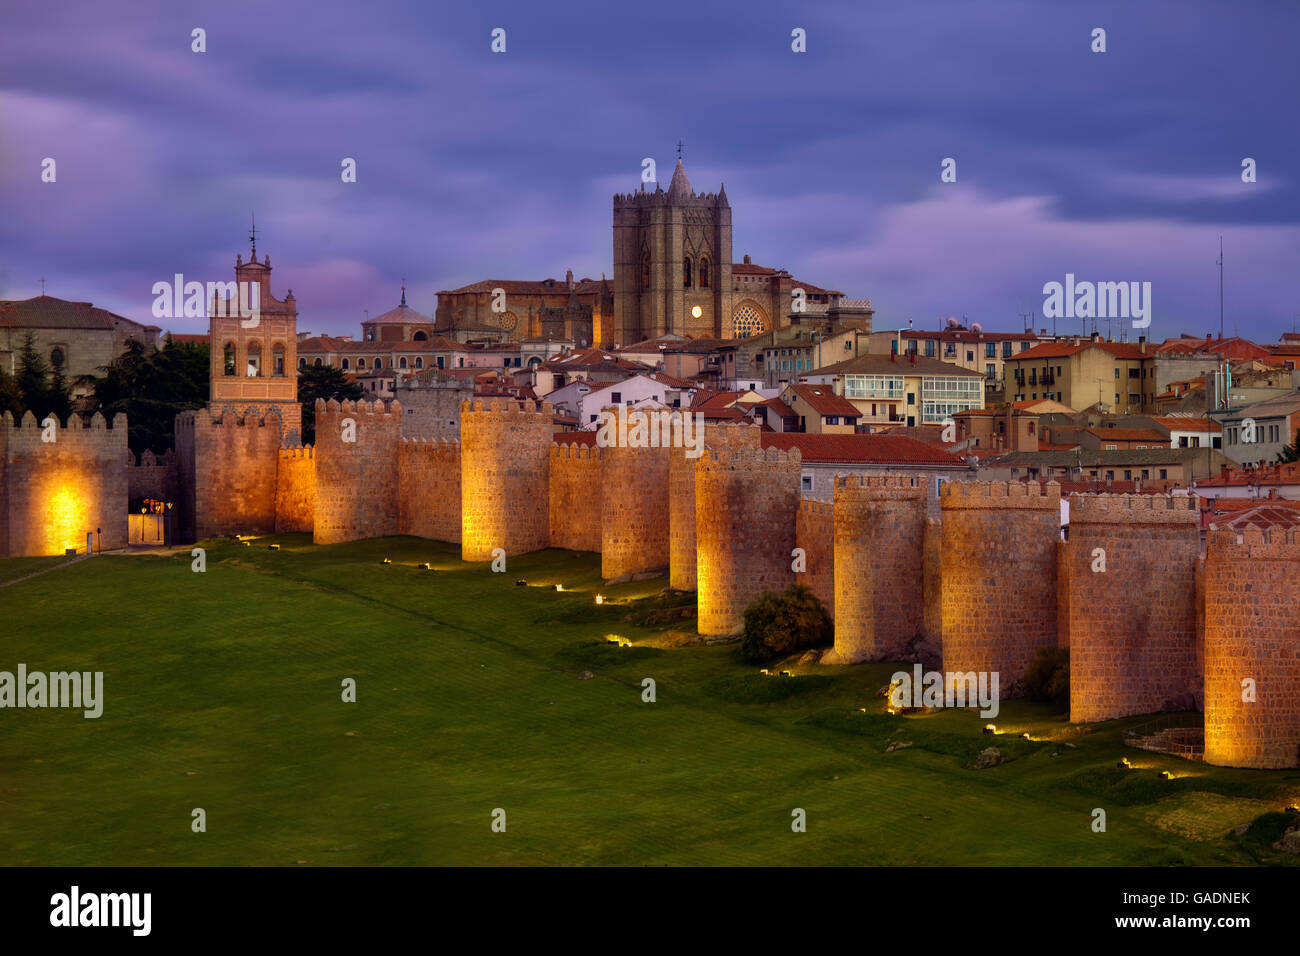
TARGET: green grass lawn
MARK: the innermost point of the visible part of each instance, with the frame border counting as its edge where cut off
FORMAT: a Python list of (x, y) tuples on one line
[(223, 691)]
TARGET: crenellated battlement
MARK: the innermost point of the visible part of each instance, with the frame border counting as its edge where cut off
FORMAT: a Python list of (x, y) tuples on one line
[(296, 452), (955, 495), (378, 407), (1252, 543), (520, 407), (1131, 509), (749, 457), (571, 451)]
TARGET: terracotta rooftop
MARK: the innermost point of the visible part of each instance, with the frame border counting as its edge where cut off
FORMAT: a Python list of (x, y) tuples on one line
[(861, 449), (47, 312), (824, 401)]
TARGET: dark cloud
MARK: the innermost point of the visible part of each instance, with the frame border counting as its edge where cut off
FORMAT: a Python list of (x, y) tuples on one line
[(1123, 165)]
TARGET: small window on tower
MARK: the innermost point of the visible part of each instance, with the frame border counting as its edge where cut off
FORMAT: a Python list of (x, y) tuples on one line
[(228, 359), (277, 353), (686, 272), (645, 271), (704, 272)]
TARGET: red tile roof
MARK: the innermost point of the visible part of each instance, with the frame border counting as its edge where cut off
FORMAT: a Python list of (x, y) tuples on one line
[(1129, 434), (824, 401), (861, 449)]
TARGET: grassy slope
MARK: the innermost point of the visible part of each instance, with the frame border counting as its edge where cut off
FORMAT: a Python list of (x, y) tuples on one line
[(223, 692)]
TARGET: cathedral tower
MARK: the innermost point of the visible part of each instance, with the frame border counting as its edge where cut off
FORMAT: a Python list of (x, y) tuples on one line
[(672, 263)]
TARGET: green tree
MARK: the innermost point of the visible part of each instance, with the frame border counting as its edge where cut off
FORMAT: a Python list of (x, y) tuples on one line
[(151, 386), (779, 624), (11, 396), (322, 381), (1289, 452), (34, 379)]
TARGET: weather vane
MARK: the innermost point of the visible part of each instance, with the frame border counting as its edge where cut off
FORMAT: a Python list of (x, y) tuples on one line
[(680, 144)]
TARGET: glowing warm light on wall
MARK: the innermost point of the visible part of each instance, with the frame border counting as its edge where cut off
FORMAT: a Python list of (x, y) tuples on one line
[(600, 599), (67, 518)]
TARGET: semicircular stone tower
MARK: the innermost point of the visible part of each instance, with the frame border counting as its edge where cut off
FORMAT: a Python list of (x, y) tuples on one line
[(681, 497), (746, 507), (879, 536), (1129, 607), (1252, 650), (998, 569), (505, 457)]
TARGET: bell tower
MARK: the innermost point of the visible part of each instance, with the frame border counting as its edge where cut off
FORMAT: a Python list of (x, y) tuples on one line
[(254, 358)]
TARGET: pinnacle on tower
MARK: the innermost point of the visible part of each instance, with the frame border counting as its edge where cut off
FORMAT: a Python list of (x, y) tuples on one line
[(680, 187)]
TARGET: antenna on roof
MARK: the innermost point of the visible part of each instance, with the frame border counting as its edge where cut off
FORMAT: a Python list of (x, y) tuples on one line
[(252, 233)]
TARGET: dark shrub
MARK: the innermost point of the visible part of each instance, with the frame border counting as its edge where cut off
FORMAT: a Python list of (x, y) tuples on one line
[(1048, 676), (779, 624)]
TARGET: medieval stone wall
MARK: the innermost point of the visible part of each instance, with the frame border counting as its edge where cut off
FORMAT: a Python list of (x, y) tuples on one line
[(356, 470), (1252, 631), (56, 491), (428, 489), (505, 459), (814, 532), (576, 497), (152, 476), (1131, 628), (633, 510), (295, 489), (746, 507), (999, 575), (879, 584)]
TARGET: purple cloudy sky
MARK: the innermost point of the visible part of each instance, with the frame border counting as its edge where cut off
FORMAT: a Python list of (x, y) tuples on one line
[(1117, 166)]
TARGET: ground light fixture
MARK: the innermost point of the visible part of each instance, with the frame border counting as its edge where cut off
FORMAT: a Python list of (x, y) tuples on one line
[(521, 583), (272, 547), (600, 599), (1123, 764), (425, 566), (990, 729), (559, 587), (387, 561)]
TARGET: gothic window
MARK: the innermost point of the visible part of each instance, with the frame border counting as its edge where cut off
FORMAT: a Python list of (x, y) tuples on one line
[(254, 359), (228, 358), (645, 270), (704, 272), (686, 272), (277, 363), (746, 321)]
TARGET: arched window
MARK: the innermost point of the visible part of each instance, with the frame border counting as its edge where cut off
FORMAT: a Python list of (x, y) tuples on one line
[(302, 363), (419, 337), (345, 365), (379, 363), (318, 363), (277, 359), (56, 357), (361, 363), (228, 358), (254, 359), (686, 272), (401, 363), (419, 362), (645, 270), (704, 272)]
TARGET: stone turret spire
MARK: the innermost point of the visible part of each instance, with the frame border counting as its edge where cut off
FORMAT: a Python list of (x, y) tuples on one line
[(680, 187)]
